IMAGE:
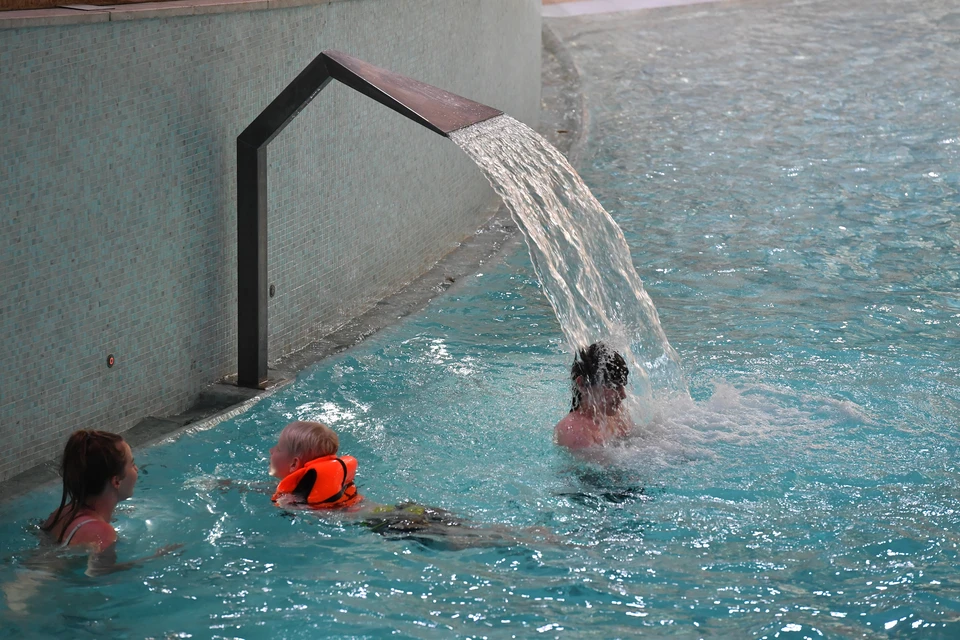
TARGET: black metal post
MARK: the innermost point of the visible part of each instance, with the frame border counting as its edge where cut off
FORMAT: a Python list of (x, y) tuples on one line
[(251, 265), (252, 326), (438, 110)]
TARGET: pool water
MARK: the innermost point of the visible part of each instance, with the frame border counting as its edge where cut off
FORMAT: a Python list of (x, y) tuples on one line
[(786, 175)]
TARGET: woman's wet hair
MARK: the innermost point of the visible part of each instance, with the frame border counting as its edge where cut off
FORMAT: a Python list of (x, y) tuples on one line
[(90, 460), (598, 365)]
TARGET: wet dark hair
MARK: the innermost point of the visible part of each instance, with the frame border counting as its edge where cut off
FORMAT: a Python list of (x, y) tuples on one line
[(90, 460), (598, 365)]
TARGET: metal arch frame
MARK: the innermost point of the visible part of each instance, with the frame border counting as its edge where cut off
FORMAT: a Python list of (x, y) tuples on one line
[(435, 109)]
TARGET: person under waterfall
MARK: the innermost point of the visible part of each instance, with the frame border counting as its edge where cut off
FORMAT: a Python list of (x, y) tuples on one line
[(597, 415)]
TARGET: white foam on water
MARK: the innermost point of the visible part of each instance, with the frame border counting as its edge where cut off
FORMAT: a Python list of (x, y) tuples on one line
[(682, 430)]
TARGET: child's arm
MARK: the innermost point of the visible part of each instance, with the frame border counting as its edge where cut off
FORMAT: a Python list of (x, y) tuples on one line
[(286, 499), (301, 492)]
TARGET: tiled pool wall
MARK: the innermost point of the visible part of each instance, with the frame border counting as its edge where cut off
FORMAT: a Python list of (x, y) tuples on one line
[(118, 194)]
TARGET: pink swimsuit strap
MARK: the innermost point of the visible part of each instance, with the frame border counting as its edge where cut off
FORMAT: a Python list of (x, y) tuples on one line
[(79, 522)]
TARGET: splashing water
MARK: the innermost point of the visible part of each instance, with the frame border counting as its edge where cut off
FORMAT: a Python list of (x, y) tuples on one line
[(578, 252)]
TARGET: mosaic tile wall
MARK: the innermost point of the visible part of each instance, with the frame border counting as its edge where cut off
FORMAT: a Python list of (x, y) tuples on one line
[(117, 193)]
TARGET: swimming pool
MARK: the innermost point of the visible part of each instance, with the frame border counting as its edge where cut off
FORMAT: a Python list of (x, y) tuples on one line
[(787, 178)]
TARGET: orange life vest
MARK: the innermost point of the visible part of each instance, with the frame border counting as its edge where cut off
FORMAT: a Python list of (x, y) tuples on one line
[(333, 487)]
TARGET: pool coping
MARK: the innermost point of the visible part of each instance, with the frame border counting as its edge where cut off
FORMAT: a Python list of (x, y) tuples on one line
[(79, 13), (563, 121)]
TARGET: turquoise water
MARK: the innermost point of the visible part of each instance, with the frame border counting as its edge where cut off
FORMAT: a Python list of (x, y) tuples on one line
[(786, 176)]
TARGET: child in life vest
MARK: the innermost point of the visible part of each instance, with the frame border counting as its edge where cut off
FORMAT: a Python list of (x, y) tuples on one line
[(310, 472)]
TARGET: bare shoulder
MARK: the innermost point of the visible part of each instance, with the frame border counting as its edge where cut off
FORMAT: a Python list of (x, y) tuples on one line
[(97, 535), (574, 432), (565, 423), (53, 525)]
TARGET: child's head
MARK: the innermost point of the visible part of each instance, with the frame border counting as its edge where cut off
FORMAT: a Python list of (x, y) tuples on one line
[(598, 367), (299, 443)]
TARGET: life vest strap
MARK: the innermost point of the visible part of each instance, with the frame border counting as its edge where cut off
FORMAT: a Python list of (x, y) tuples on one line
[(343, 485)]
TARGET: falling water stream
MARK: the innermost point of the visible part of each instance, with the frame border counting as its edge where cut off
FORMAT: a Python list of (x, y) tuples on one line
[(578, 252)]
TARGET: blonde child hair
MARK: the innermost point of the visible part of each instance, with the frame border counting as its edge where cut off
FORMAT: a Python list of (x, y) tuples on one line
[(309, 440)]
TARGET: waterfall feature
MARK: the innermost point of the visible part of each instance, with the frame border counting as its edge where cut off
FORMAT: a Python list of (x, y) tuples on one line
[(579, 253)]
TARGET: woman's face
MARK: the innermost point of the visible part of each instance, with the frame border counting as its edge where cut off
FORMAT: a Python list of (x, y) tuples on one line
[(130, 473)]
